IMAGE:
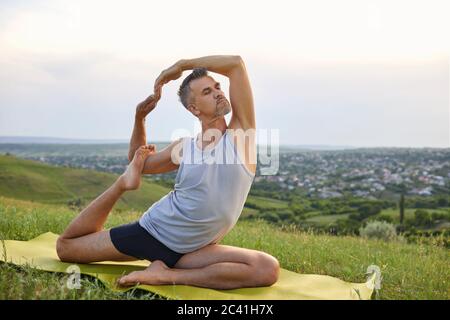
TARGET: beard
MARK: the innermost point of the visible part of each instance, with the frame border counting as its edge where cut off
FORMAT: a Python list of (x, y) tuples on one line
[(222, 108)]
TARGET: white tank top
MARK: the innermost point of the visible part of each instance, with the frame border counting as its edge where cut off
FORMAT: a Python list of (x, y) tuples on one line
[(210, 191)]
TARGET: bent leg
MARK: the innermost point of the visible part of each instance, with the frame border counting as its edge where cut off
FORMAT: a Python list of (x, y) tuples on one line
[(93, 247), (214, 266), (216, 253), (83, 240), (93, 217)]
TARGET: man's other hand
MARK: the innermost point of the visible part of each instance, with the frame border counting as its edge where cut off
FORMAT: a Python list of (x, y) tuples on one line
[(172, 73), (146, 106)]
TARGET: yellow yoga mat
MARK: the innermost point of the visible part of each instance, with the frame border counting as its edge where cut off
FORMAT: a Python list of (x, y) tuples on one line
[(40, 253)]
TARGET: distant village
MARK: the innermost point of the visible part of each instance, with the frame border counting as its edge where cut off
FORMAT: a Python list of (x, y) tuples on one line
[(364, 172)]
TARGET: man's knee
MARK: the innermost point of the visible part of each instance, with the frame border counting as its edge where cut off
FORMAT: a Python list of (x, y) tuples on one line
[(62, 249), (268, 269)]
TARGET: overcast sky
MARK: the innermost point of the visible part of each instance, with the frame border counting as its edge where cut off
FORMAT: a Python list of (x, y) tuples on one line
[(354, 73)]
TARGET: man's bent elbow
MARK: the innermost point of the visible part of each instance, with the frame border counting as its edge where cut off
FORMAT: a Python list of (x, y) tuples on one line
[(238, 65), (239, 60)]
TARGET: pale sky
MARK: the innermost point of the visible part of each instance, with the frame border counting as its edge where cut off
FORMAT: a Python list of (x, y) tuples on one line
[(354, 73)]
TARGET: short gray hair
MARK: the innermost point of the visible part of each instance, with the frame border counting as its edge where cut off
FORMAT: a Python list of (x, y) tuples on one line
[(185, 89)]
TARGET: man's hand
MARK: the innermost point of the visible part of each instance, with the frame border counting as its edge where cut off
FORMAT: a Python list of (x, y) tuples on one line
[(146, 106), (172, 73)]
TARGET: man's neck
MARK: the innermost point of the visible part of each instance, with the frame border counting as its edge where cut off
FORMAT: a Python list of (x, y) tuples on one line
[(219, 124)]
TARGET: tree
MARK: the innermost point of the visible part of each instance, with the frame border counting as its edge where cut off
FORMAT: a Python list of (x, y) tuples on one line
[(270, 216), (368, 210), (442, 202), (402, 208), (379, 230), (422, 217)]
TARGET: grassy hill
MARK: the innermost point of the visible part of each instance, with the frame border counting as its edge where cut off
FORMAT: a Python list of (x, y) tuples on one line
[(36, 181), (344, 257), (31, 180), (261, 202)]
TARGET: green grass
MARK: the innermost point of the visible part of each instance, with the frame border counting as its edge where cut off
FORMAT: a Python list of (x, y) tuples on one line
[(409, 271), (19, 282), (409, 213), (319, 219), (268, 203), (249, 212), (327, 219)]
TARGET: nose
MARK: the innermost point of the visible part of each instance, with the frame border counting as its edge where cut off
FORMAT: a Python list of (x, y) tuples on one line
[(219, 94)]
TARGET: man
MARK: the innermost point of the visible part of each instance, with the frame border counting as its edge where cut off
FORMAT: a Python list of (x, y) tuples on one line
[(180, 233)]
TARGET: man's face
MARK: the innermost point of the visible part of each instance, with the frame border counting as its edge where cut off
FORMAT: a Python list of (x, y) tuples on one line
[(208, 97)]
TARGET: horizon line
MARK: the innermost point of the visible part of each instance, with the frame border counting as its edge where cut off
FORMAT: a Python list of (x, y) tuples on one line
[(117, 141)]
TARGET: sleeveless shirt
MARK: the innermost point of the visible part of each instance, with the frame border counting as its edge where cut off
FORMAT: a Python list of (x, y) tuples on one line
[(211, 187)]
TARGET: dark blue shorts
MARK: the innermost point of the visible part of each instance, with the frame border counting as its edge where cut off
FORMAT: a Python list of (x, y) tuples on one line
[(133, 240)]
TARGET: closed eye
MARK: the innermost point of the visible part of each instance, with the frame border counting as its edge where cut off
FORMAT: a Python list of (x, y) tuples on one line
[(208, 90)]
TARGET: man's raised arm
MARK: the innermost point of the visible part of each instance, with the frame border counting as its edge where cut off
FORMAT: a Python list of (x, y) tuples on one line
[(138, 137), (231, 66)]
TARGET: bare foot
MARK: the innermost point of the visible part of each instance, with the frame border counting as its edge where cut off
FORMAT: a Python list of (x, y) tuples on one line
[(153, 275), (131, 178)]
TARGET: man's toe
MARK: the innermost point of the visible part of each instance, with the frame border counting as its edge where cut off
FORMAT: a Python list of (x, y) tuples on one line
[(130, 279)]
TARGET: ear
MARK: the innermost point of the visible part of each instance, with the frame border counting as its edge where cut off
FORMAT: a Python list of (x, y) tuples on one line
[(193, 109)]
